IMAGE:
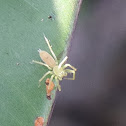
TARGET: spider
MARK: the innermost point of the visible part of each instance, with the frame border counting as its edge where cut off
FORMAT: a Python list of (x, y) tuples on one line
[(57, 70)]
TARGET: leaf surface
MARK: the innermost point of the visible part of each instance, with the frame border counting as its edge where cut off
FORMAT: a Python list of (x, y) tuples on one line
[(22, 24)]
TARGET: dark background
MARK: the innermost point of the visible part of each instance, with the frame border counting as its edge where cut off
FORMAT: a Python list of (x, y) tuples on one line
[(98, 50)]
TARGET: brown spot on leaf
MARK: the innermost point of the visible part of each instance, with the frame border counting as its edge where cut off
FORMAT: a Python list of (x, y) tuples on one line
[(39, 121)]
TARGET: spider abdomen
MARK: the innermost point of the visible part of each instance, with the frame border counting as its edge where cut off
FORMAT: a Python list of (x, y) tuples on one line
[(47, 58)]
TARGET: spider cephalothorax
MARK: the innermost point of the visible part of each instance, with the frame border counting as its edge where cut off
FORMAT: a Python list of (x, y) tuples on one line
[(57, 71)]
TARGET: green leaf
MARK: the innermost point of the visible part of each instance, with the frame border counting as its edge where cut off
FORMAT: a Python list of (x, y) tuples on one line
[(22, 24)]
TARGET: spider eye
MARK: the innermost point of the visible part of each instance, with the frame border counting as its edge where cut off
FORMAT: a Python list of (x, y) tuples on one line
[(61, 74)]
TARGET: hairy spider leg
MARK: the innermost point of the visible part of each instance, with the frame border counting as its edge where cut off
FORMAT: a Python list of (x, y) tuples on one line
[(37, 62), (50, 48), (57, 82), (49, 72), (62, 62), (68, 65), (70, 71)]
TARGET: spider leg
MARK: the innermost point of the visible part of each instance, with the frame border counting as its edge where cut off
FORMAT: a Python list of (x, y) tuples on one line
[(49, 72), (50, 48), (62, 62), (51, 79), (37, 62), (70, 71), (68, 65), (57, 82)]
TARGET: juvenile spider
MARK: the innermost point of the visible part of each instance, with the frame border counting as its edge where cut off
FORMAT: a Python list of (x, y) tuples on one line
[(57, 70)]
